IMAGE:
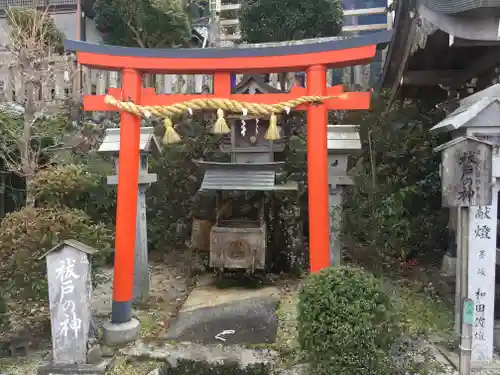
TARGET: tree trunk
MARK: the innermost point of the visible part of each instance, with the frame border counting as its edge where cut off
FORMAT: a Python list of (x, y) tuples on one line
[(30, 196), (28, 166)]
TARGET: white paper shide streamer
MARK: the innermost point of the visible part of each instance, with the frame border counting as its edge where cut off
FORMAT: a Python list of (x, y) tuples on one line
[(243, 127), (243, 122)]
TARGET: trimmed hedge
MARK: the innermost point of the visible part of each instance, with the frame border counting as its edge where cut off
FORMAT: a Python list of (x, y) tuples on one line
[(346, 322)]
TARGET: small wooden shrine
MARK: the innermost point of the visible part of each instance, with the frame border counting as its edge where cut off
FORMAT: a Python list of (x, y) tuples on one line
[(240, 241)]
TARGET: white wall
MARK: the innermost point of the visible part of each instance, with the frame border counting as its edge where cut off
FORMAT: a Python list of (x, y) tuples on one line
[(67, 24)]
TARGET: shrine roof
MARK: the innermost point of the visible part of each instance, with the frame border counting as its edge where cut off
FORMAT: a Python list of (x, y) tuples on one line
[(483, 107), (256, 50), (235, 176), (148, 141), (211, 165), (71, 243), (343, 138), (239, 179), (459, 140)]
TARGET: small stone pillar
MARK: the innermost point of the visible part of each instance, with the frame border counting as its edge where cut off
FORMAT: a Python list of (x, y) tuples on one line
[(343, 140), (148, 146)]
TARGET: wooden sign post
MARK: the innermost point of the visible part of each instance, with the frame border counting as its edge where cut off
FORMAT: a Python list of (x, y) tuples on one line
[(466, 172), (70, 292), (466, 176)]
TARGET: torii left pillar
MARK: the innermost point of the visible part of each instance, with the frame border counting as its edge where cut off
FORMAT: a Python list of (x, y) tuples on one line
[(123, 328), (317, 174)]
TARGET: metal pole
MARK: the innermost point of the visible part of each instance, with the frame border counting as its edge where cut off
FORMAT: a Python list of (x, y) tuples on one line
[(78, 20), (466, 337), (464, 261), (467, 305), (458, 273)]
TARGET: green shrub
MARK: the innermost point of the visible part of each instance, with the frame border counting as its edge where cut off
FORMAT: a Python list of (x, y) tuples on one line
[(27, 234), (80, 186), (346, 322), (62, 184)]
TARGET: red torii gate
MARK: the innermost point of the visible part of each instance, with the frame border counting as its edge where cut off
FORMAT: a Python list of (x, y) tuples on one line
[(313, 58)]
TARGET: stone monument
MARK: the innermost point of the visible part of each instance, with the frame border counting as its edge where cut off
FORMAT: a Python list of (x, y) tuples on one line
[(70, 295)]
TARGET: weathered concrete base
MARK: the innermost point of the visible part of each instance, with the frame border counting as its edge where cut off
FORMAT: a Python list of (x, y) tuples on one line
[(449, 267), (230, 316), (213, 354), (119, 334), (86, 369)]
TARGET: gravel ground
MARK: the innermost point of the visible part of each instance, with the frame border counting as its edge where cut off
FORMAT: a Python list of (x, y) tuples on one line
[(170, 285)]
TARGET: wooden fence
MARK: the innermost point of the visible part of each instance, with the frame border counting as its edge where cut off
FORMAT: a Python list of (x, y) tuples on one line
[(63, 82)]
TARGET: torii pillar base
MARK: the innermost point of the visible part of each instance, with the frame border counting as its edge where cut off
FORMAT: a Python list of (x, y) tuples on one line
[(121, 333)]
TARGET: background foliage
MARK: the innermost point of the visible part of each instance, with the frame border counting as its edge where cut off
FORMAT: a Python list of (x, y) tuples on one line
[(142, 23), (395, 203), (172, 201), (275, 21)]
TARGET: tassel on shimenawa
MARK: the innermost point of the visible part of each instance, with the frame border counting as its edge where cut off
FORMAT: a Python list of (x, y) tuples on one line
[(171, 136), (272, 133), (220, 126)]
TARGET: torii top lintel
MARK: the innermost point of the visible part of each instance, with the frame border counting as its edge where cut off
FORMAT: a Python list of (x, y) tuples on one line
[(332, 54), (223, 61)]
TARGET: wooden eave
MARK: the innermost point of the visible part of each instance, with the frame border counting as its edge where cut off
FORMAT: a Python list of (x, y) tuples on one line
[(402, 40), (425, 72)]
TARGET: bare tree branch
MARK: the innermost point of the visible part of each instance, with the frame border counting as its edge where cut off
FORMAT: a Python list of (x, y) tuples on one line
[(31, 42), (137, 34)]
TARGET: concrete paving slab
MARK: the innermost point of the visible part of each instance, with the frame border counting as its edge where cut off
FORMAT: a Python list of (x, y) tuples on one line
[(228, 316), (210, 296)]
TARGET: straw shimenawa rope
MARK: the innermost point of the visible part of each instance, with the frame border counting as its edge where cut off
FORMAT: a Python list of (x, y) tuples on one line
[(221, 105)]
